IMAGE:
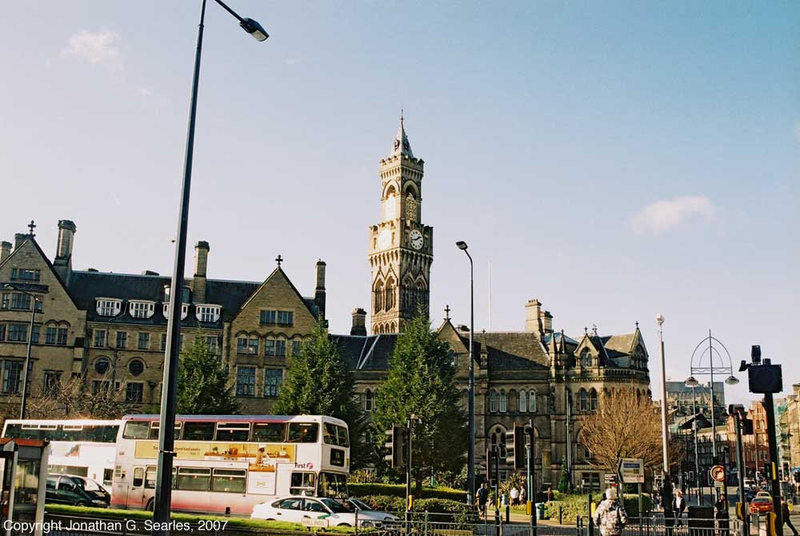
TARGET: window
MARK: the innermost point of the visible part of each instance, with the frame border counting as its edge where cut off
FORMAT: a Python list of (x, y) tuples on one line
[(101, 365), (136, 367), (17, 333), (52, 381), (37, 328), (272, 382), (584, 400), (503, 402), (108, 307), (368, 401), (141, 309), (285, 318), (532, 401), (122, 339), (100, 386), (144, 341), (523, 401), (297, 347), (233, 431), (212, 344), (198, 431), (184, 310), (302, 483), (163, 341), (25, 274), (2, 332), (229, 480), (269, 432), (303, 432), (134, 392), (12, 377), (20, 301), (207, 313), (246, 381), (271, 316), (275, 347), (61, 336), (194, 478), (268, 317), (586, 358), (99, 338), (592, 400), (493, 401), (50, 333), (247, 345)]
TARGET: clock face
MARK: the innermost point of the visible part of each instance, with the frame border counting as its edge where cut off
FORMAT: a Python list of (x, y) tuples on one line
[(416, 239), (384, 239)]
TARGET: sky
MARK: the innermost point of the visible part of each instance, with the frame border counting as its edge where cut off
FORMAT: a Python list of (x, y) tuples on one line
[(615, 160)]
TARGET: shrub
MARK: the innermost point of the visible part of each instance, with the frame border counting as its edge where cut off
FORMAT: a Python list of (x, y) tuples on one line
[(399, 490)]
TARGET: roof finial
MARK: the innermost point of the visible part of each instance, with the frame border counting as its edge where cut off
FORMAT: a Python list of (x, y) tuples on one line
[(279, 260), (594, 329), (447, 312), (637, 324), (31, 225)]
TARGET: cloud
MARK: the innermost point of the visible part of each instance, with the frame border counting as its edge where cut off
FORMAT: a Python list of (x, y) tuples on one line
[(98, 48), (145, 92), (666, 215)]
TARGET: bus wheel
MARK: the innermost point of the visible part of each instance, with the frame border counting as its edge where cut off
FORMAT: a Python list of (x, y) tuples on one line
[(151, 505), (343, 525)]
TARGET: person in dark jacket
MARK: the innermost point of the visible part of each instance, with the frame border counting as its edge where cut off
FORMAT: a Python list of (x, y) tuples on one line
[(785, 516)]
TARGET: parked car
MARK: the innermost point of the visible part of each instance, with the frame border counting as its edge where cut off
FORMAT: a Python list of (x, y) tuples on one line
[(76, 491), (295, 509), (761, 505), (764, 494), (351, 503)]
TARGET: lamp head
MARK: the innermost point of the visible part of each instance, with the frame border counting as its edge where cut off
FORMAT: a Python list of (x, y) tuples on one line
[(461, 245), (691, 381), (659, 319), (255, 29), (732, 380)]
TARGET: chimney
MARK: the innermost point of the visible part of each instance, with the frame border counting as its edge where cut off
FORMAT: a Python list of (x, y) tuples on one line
[(201, 250), (5, 250), (533, 311), (359, 322), (319, 294), (63, 260), (547, 322), (19, 238)]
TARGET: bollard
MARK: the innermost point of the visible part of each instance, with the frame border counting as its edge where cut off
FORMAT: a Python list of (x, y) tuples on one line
[(497, 520), (355, 515), (591, 520), (508, 513), (559, 514)]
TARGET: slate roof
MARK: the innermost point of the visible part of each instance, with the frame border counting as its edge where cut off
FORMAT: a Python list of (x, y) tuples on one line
[(513, 350), (371, 352)]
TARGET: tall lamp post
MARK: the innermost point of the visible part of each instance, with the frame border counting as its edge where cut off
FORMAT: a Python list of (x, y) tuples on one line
[(36, 299), (698, 365), (666, 496), (692, 382), (166, 442), (471, 396)]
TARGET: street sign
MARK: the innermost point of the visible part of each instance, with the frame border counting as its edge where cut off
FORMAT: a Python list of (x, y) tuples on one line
[(631, 470), (718, 473), (611, 479)]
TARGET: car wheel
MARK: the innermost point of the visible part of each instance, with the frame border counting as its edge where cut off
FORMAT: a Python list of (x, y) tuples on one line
[(151, 505), (81, 503), (270, 519)]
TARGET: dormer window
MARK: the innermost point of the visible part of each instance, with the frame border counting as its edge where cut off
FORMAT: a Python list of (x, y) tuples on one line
[(108, 306), (207, 313), (184, 310), (141, 309)]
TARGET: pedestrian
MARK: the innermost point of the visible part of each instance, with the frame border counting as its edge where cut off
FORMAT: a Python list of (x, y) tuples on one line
[(482, 496), (678, 506), (785, 516), (610, 514), (721, 513), (504, 499), (514, 496), (523, 495), (549, 494)]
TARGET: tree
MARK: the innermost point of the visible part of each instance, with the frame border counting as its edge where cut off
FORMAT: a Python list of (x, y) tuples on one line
[(564, 480), (75, 399), (421, 382), (319, 382), (626, 425), (203, 383)]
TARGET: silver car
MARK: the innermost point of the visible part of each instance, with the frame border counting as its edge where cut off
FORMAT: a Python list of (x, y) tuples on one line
[(297, 509)]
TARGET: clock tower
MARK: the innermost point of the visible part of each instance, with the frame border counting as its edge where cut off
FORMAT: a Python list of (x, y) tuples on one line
[(400, 247)]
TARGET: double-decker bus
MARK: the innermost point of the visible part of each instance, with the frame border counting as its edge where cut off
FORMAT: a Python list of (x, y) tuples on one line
[(229, 463), (83, 447)]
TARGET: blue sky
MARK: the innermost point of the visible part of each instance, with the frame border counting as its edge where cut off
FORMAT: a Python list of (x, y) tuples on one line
[(614, 160)]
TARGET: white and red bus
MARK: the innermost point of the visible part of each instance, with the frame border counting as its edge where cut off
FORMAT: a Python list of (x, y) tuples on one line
[(84, 447), (229, 463)]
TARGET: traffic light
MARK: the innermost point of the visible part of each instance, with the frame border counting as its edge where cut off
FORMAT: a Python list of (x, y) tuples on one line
[(395, 446)]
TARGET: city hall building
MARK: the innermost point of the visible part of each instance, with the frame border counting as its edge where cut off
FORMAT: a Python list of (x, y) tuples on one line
[(109, 330)]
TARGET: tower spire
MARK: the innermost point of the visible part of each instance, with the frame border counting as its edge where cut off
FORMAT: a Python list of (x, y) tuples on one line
[(401, 144)]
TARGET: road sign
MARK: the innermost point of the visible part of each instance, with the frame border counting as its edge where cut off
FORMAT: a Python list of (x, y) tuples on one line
[(611, 478), (718, 473), (631, 470)]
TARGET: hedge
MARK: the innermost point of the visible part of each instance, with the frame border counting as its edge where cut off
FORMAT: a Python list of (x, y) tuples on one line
[(574, 505), (399, 490)]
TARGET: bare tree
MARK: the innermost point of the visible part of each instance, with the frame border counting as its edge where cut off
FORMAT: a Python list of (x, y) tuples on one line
[(76, 399), (626, 425)]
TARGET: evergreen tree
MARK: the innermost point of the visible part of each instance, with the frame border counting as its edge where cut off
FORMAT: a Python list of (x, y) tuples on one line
[(564, 482), (319, 382), (421, 382), (203, 387)]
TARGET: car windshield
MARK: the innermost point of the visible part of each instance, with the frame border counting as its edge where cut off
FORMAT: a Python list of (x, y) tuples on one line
[(335, 507), (88, 485), (360, 504)]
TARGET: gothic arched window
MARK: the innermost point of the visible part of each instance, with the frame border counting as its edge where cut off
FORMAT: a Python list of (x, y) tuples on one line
[(584, 400), (369, 401), (523, 401), (378, 295), (593, 400), (586, 358), (503, 402), (389, 295), (532, 401), (493, 401)]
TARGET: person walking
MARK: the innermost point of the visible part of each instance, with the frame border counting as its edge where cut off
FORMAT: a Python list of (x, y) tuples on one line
[(785, 516), (610, 514), (482, 496), (678, 506), (721, 513), (514, 496)]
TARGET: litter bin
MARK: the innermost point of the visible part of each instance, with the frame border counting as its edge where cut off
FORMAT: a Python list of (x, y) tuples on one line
[(539, 510), (701, 519)]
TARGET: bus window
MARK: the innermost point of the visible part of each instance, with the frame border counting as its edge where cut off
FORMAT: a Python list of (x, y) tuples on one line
[(156, 426), (150, 477), (332, 485), (230, 480), (303, 432), (268, 432), (194, 478), (233, 431), (138, 476), (336, 435), (136, 430), (337, 457), (13, 430), (303, 484), (198, 431)]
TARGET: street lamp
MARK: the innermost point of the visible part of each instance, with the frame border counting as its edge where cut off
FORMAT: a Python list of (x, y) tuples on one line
[(664, 436), (692, 382), (24, 402), (166, 442), (471, 396)]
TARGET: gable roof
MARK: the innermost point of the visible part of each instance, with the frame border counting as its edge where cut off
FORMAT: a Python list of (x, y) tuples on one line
[(278, 273)]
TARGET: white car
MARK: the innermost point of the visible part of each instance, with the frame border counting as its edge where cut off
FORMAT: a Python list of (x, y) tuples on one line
[(363, 507), (297, 509)]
